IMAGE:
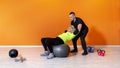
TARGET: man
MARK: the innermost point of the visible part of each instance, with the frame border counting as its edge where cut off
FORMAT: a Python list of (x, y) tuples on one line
[(81, 30), (63, 38)]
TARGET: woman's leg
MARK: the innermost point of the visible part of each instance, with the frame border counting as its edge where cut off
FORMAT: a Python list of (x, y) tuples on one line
[(43, 40), (50, 43), (46, 53)]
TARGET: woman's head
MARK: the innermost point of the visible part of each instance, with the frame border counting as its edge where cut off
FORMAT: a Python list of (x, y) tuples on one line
[(71, 29)]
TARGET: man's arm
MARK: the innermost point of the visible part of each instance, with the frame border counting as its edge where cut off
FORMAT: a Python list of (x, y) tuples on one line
[(79, 27)]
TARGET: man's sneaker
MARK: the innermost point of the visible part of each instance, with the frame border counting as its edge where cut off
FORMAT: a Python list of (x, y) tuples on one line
[(85, 53)]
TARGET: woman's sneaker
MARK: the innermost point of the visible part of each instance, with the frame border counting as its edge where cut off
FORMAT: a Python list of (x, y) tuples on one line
[(51, 55), (45, 54)]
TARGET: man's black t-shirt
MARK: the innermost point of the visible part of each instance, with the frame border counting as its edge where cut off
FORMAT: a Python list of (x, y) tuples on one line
[(77, 22)]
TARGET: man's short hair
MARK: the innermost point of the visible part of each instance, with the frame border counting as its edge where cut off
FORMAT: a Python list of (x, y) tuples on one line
[(72, 13)]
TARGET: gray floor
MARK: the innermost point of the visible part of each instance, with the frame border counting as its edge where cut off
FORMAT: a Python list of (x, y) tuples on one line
[(34, 60)]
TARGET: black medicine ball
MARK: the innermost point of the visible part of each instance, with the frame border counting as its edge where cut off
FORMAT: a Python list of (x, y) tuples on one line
[(13, 53)]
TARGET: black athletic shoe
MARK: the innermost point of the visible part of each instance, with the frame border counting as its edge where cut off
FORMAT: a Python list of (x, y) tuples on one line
[(84, 53), (74, 51)]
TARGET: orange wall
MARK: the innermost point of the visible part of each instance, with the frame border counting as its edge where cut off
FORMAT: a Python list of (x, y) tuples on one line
[(26, 21)]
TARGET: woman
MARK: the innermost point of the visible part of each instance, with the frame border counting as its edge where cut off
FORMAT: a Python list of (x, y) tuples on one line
[(63, 38)]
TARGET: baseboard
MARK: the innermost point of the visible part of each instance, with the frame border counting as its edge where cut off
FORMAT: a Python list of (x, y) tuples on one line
[(37, 46)]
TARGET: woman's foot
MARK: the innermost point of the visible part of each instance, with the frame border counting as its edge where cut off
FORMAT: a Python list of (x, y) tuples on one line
[(46, 53), (51, 55)]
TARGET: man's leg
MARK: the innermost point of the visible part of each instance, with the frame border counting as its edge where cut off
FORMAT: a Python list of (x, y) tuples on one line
[(74, 41), (84, 47), (83, 42)]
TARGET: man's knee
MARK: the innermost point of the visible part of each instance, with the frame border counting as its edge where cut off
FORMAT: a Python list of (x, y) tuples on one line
[(82, 38)]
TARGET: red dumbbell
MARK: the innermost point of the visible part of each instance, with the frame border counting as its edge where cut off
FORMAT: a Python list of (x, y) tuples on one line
[(101, 52)]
